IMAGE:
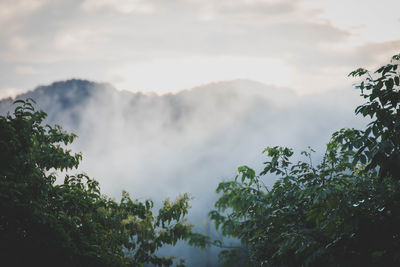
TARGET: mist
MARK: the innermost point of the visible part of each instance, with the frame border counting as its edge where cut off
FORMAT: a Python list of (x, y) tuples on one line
[(159, 146)]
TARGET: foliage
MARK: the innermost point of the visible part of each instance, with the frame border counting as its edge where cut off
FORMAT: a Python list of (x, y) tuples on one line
[(345, 211), (379, 144), (43, 223)]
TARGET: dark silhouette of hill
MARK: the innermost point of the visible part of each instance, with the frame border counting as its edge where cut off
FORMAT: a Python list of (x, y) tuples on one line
[(62, 97)]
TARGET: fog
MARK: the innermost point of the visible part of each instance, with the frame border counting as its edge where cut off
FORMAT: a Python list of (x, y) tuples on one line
[(159, 146)]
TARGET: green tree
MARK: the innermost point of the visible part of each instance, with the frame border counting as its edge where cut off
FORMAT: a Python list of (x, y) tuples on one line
[(344, 211), (43, 223)]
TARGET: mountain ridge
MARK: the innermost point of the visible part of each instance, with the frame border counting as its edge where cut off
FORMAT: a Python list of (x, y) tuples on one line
[(70, 96), (85, 84)]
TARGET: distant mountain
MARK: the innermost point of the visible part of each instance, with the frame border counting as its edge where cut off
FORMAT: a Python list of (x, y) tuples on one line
[(61, 97), (68, 102), (158, 146)]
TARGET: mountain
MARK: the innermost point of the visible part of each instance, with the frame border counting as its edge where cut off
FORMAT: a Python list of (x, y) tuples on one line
[(60, 98), (158, 146)]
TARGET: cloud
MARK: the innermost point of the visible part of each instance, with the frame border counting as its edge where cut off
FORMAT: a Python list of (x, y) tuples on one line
[(9, 92), (247, 10), (29, 70), (98, 39), (122, 6), (80, 40), (18, 44), (11, 9), (366, 20), (187, 141), (189, 72)]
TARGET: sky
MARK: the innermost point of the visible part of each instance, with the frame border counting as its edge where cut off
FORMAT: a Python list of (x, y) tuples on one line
[(166, 46)]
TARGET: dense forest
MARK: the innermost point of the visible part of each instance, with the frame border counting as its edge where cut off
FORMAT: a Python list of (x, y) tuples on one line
[(341, 211)]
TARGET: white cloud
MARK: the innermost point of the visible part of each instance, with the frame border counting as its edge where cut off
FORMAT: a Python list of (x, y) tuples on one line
[(246, 11), (367, 20), (80, 39), (10, 92), (10, 9), (168, 75), (29, 70), (122, 6), (18, 43)]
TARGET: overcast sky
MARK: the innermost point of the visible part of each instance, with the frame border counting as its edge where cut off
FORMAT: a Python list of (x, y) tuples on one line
[(168, 45)]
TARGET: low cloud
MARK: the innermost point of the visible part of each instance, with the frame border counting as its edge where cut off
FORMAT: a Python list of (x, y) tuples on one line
[(158, 146)]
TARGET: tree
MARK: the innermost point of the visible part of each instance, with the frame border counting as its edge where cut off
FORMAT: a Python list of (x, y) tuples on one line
[(43, 223), (345, 211)]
